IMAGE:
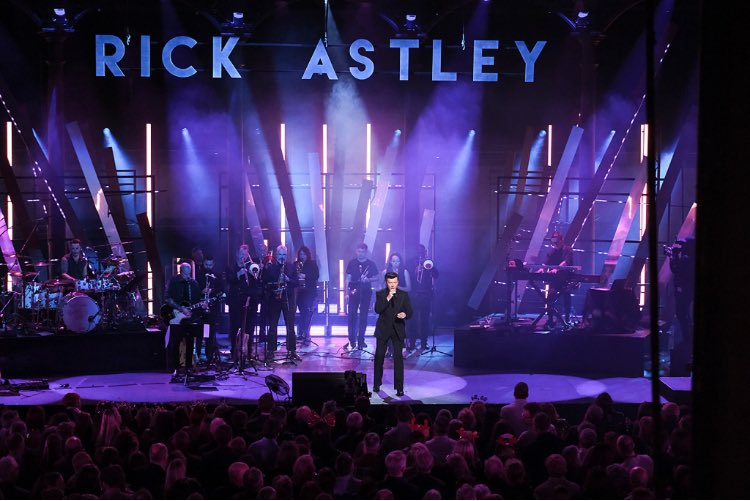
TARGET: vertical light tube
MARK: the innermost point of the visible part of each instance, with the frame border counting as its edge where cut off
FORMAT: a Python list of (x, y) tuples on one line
[(325, 171), (368, 167), (341, 287), (549, 145), (643, 217), (387, 252), (150, 218), (282, 133), (642, 220), (9, 212), (9, 142)]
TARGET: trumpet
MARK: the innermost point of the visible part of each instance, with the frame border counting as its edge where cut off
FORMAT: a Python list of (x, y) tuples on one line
[(255, 270), (424, 265)]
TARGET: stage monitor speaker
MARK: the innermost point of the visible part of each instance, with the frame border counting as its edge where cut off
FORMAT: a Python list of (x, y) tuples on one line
[(610, 311), (314, 388)]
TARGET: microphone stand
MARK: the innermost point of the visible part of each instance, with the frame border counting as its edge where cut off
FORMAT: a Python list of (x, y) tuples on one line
[(434, 349)]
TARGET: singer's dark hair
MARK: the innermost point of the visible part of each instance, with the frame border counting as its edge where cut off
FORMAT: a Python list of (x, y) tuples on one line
[(74, 241), (362, 245), (388, 265), (391, 275), (307, 252)]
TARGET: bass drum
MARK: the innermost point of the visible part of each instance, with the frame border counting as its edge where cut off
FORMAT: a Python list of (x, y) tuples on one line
[(80, 313)]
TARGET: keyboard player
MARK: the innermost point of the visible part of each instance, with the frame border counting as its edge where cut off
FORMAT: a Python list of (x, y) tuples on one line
[(560, 288)]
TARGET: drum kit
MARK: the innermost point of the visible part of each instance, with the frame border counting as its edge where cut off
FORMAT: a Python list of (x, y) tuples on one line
[(105, 300)]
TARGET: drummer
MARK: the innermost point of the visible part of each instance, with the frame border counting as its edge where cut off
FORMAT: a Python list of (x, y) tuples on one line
[(74, 265)]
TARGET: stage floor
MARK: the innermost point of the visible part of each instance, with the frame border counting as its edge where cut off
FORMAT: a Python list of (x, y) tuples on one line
[(431, 378)]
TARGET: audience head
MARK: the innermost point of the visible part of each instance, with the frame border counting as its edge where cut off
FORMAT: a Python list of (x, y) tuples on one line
[(251, 479), (236, 473), (283, 486), (432, 494), (466, 491), (556, 466), (395, 464), (371, 443), (494, 469), (521, 391), (9, 470), (423, 458), (638, 477), (403, 413)]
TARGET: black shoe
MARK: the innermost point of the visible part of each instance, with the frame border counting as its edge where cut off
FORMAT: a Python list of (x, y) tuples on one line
[(399, 393), (375, 389), (346, 347), (362, 346)]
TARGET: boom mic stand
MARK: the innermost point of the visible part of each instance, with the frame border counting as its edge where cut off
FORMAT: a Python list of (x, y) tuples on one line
[(434, 348)]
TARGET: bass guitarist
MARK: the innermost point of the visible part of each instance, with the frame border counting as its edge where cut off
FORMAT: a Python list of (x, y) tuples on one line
[(184, 295)]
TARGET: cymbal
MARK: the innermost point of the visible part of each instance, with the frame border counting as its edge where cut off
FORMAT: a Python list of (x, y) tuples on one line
[(20, 274), (58, 281), (113, 260), (41, 263)]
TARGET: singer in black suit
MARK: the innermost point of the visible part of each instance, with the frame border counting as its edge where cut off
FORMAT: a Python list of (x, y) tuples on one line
[(393, 308)]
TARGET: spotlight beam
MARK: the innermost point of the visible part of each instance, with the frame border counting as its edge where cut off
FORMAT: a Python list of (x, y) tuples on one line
[(40, 165), (381, 192), (319, 231), (662, 203), (106, 216), (586, 204), (21, 219), (523, 171), (551, 200), (359, 223), (251, 212), (281, 172)]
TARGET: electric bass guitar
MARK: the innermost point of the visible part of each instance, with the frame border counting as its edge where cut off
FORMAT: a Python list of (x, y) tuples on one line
[(174, 316)]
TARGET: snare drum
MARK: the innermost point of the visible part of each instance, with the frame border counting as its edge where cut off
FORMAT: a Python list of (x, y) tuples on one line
[(80, 313)]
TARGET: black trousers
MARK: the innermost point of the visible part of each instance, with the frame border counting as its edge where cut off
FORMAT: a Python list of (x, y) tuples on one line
[(306, 305), (236, 314), (275, 309), (178, 332), (359, 306), (421, 326), (209, 319), (398, 361), (556, 295)]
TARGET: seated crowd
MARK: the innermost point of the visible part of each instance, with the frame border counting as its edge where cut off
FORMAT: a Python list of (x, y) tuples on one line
[(522, 450)]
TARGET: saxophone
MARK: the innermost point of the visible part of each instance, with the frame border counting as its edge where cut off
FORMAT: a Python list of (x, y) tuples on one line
[(281, 284), (300, 265)]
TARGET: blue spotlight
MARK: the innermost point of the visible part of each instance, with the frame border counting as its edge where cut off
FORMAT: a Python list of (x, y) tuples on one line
[(398, 132), (472, 133), (108, 139), (185, 131)]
